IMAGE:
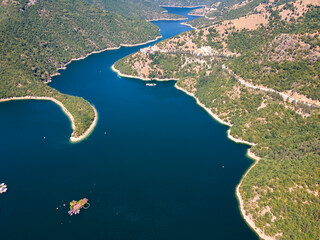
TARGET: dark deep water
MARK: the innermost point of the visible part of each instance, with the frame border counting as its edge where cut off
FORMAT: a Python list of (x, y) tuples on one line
[(157, 173)]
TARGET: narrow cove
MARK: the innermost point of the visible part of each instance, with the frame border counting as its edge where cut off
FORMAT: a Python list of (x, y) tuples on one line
[(157, 166)]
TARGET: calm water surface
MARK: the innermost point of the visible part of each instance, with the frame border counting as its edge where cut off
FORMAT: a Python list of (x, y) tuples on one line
[(163, 170)]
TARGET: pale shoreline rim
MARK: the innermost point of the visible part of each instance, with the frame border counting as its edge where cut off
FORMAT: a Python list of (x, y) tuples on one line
[(100, 51), (249, 154), (90, 129), (66, 112)]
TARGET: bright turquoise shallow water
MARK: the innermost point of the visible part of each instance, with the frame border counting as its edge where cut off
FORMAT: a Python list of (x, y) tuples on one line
[(156, 174)]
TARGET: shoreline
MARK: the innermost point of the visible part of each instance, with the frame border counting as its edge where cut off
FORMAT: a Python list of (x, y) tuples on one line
[(195, 15), (213, 115), (65, 110), (239, 140), (167, 19), (98, 51), (216, 117), (173, 6), (188, 25), (141, 78), (248, 220), (89, 130), (249, 154)]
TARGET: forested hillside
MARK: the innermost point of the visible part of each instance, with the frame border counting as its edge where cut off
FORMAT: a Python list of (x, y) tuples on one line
[(144, 9), (38, 37), (241, 69), (184, 2)]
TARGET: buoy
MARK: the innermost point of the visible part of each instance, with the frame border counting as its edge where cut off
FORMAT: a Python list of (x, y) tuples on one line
[(87, 206), (222, 166)]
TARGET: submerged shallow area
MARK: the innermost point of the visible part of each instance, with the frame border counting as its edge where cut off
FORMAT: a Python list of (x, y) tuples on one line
[(157, 166)]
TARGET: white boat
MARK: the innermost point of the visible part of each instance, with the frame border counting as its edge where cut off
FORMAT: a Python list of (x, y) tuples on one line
[(151, 84), (3, 190)]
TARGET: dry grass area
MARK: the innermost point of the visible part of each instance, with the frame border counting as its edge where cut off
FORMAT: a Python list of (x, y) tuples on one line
[(250, 22), (239, 5), (198, 12), (5, 2), (172, 44), (145, 68), (300, 7)]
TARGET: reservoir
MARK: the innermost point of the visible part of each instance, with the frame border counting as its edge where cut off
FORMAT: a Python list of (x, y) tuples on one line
[(157, 166)]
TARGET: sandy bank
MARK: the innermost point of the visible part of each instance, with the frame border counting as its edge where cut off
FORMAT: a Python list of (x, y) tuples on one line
[(141, 78), (203, 106), (248, 219), (174, 6), (188, 25), (167, 19), (239, 140), (88, 131), (65, 110)]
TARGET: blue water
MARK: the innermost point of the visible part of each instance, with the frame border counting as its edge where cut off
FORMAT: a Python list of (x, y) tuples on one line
[(163, 170)]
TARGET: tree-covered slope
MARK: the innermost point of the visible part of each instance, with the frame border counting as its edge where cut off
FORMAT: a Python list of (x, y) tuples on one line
[(38, 39), (144, 9), (184, 3)]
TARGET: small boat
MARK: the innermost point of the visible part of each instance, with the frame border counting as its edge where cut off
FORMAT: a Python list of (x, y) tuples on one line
[(151, 84), (3, 188)]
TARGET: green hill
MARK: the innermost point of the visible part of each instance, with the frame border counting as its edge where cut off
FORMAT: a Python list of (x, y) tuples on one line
[(184, 2), (144, 9)]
